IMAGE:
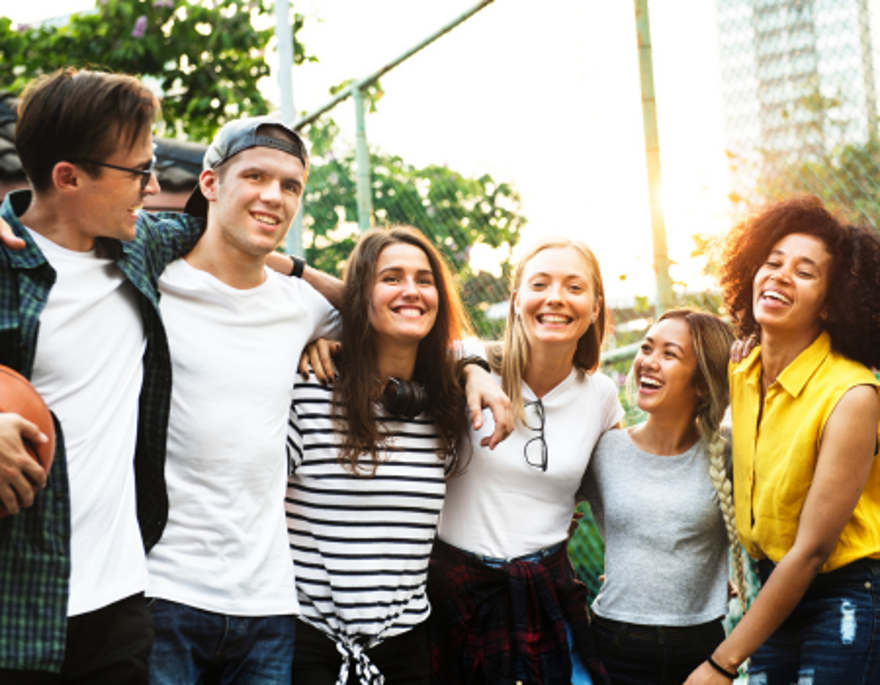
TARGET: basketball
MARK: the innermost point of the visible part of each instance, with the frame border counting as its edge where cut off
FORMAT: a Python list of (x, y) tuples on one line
[(18, 396)]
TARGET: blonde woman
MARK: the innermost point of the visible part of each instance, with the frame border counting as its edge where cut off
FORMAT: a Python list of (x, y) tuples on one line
[(506, 605), (662, 499)]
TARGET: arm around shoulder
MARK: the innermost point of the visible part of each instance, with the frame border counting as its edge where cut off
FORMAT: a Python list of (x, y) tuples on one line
[(166, 236)]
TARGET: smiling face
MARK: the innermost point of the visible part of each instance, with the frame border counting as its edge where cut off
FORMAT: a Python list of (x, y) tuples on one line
[(113, 198), (404, 300), (664, 368), (556, 300), (253, 198), (790, 287)]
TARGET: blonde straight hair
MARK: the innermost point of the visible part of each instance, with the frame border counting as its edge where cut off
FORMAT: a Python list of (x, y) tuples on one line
[(711, 339), (512, 359)]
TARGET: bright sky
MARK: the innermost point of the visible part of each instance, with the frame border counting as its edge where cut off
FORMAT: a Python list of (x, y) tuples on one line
[(543, 95)]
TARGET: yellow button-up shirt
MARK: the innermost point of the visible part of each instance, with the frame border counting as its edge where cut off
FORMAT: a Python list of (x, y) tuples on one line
[(774, 464)]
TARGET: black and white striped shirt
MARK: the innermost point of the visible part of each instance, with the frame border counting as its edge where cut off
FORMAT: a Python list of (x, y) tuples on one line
[(361, 545)]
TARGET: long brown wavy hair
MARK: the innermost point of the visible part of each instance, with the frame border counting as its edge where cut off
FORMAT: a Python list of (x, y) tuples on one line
[(436, 368)]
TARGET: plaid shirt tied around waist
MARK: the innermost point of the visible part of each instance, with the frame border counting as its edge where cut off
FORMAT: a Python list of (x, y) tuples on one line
[(35, 543), (483, 618)]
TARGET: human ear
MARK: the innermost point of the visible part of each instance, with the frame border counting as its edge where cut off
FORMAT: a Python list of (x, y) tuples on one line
[(65, 177), (597, 309), (208, 183)]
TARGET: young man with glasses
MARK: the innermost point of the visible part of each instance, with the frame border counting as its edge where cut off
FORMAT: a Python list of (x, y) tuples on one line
[(79, 317), (72, 602)]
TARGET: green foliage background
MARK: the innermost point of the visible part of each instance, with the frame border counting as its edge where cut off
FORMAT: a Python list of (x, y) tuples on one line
[(457, 211), (208, 59)]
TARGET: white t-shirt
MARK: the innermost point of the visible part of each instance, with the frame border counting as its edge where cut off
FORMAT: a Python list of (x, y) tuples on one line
[(89, 368), (234, 355), (503, 507)]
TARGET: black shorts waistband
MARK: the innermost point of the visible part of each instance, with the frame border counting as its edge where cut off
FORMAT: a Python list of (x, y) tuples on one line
[(653, 633)]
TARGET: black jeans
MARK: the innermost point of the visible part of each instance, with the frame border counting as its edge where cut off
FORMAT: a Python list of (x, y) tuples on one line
[(654, 655), (109, 646), (403, 660)]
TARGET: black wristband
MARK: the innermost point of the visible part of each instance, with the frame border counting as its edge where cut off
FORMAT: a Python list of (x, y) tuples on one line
[(479, 361), (299, 265), (722, 671)]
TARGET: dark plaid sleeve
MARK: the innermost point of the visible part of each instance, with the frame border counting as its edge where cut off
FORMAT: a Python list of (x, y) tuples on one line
[(35, 543), (162, 237)]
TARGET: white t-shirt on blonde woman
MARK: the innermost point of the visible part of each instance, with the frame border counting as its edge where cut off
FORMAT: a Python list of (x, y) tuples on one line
[(501, 506)]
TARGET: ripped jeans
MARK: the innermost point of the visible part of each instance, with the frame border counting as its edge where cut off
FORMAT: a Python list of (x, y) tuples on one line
[(833, 635)]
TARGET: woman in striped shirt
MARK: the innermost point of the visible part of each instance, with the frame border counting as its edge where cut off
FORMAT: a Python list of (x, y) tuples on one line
[(369, 457)]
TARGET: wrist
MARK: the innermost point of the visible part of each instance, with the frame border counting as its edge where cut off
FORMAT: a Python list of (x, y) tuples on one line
[(464, 362), (298, 266), (724, 665)]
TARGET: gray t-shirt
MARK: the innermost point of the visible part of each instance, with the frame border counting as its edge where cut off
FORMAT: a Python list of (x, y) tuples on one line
[(666, 553)]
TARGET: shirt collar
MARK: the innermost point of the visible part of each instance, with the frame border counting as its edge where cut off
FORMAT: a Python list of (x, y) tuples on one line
[(795, 376)]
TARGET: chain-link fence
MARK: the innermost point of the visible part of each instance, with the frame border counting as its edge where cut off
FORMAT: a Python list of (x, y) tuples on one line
[(458, 212), (800, 97)]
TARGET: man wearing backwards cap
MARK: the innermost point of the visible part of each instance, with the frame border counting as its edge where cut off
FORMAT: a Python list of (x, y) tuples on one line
[(221, 582)]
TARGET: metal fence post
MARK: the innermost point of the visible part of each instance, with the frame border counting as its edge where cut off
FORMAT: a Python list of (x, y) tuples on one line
[(284, 36), (652, 157), (362, 157)]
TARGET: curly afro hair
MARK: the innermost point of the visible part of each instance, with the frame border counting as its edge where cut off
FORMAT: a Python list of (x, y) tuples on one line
[(853, 295)]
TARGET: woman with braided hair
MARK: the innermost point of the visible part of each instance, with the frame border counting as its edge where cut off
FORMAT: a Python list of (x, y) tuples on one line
[(805, 411), (662, 499)]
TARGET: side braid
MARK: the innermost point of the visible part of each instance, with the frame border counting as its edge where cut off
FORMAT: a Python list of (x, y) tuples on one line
[(711, 340), (715, 443)]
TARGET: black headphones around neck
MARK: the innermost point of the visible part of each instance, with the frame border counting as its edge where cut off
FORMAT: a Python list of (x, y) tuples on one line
[(404, 399)]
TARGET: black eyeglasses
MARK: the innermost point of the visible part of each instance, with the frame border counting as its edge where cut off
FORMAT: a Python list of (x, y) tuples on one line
[(145, 174), (535, 450)]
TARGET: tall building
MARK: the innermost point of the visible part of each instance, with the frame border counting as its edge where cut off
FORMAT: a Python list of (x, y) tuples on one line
[(799, 81)]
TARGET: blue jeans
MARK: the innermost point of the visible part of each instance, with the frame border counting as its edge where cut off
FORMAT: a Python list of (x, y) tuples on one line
[(654, 655), (832, 636), (194, 646)]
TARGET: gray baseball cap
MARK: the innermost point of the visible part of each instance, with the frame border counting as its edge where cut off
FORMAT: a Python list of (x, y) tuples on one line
[(239, 135)]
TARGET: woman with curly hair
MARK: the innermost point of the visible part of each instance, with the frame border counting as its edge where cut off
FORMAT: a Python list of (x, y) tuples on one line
[(369, 459), (507, 605), (661, 496), (805, 418)]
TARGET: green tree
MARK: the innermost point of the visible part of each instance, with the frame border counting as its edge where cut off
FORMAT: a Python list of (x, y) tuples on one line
[(207, 58), (457, 212)]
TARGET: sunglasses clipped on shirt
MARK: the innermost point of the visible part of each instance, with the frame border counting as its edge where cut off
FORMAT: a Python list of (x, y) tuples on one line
[(535, 449)]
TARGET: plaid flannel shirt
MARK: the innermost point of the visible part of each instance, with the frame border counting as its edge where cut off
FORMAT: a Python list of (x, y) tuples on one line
[(484, 618), (35, 544)]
